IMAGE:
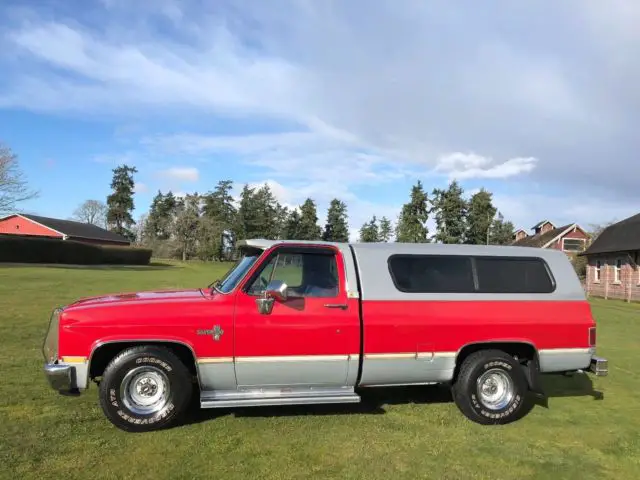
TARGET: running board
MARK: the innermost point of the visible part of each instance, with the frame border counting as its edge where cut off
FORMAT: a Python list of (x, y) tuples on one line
[(258, 397), (264, 402)]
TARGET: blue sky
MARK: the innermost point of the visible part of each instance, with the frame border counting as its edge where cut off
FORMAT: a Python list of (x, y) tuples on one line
[(353, 99)]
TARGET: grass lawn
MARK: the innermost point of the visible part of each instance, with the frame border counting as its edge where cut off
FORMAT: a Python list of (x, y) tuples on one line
[(396, 433)]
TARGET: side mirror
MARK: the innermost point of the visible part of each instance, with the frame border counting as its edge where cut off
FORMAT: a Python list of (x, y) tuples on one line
[(276, 290)]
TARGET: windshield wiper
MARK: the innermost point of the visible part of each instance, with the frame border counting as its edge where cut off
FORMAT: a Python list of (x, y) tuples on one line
[(215, 285)]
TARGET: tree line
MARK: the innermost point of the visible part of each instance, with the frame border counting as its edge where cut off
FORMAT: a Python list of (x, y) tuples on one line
[(207, 225)]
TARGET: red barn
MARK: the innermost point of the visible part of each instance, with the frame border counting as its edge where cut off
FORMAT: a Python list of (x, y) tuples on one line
[(34, 225), (568, 238)]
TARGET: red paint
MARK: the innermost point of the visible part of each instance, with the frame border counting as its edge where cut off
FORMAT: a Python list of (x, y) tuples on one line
[(307, 327), (17, 225), (408, 327)]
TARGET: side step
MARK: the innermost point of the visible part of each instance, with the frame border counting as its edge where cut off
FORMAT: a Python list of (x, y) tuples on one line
[(253, 398)]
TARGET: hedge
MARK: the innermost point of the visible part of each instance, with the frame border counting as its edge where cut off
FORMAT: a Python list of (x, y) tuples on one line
[(20, 249)]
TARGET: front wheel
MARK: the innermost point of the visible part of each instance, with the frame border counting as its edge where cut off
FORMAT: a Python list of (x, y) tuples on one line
[(145, 388), (491, 388)]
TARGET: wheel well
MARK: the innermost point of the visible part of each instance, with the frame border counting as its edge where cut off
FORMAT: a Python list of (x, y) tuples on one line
[(105, 353), (525, 353)]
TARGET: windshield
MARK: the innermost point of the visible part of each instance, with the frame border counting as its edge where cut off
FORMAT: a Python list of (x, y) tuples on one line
[(238, 271)]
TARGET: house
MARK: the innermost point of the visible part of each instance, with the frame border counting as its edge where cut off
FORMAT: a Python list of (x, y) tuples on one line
[(612, 261), (37, 226), (568, 238)]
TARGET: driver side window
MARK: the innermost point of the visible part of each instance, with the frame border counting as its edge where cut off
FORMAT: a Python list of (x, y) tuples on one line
[(306, 275)]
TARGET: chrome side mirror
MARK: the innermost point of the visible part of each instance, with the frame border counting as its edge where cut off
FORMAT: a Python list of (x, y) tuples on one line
[(276, 290)]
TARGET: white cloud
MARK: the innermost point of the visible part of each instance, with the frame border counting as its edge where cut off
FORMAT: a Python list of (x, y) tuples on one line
[(141, 187), (464, 166), (184, 174)]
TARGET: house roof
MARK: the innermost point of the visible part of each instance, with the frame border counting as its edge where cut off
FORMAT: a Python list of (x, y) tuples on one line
[(539, 224), (541, 239), (623, 236), (76, 229)]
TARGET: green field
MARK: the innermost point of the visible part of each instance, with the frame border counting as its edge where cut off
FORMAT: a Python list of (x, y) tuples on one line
[(587, 431)]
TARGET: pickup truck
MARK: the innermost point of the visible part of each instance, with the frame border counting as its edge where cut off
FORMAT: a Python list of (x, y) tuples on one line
[(314, 322)]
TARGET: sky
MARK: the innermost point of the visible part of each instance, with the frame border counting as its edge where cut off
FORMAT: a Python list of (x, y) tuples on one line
[(537, 102)]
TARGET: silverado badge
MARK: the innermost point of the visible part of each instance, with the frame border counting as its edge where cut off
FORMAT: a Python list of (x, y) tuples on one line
[(216, 332)]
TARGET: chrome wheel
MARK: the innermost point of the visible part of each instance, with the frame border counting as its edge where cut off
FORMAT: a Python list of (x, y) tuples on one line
[(495, 389), (145, 390)]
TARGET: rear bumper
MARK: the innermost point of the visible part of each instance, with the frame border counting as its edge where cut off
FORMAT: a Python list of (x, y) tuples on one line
[(60, 377), (599, 366)]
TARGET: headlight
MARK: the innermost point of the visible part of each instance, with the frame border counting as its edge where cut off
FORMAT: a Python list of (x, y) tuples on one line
[(50, 347)]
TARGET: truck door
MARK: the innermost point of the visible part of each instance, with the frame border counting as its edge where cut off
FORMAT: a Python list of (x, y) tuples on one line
[(309, 339)]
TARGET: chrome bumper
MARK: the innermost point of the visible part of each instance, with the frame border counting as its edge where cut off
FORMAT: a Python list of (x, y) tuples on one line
[(60, 377), (599, 366)]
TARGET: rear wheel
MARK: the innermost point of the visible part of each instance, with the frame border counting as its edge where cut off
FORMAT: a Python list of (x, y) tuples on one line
[(145, 388), (491, 388)]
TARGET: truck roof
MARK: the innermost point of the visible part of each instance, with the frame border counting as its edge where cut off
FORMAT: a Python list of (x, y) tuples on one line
[(399, 248)]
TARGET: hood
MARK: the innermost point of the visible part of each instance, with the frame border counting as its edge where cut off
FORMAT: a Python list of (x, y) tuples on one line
[(158, 295)]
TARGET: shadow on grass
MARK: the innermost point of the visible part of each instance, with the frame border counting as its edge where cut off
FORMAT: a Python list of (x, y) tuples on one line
[(570, 385), (372, 403), (64, 266), (374, 400)]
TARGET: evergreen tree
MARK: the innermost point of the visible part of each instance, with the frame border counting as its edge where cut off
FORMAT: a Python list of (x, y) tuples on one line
[(412, 223), (152, 223), (479, 218), (120, 202), (187, 224), (267, 210), (336, 228), (501, 232), (247, 221), (369, 232), (450, 214), (219, 220), (308, 227), (292, 226), (386, 230)]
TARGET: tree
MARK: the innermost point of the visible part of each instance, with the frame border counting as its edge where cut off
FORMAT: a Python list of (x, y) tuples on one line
[(450, 214), (479, 218), (267, 209), (336, 228), (93, 212), (412, 223), (292, 226), (385, 230), (186, 224), (220, 213), (120, 202), (369, 232), (308, 227), (13, 185), (501, 232)]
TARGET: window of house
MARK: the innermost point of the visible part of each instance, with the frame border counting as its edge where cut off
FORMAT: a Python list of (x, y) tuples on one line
[(617, 270), (596, 271), (306, 275), (432, 273), (573, 244), (513, 275)]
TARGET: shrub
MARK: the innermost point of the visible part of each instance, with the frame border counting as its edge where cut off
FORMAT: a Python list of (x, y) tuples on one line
[(20, 249)]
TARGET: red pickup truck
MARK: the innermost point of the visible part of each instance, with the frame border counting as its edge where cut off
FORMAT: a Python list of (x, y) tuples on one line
[(297, 322)]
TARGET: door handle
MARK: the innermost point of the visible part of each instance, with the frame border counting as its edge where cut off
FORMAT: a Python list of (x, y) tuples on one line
[(343, 306)]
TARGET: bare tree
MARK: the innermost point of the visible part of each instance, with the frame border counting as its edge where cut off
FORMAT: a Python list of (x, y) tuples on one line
[(13, 185), (93, 212)]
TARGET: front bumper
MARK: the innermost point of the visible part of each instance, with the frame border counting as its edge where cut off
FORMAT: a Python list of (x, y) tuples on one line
[(599, 366), (60, 377)]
